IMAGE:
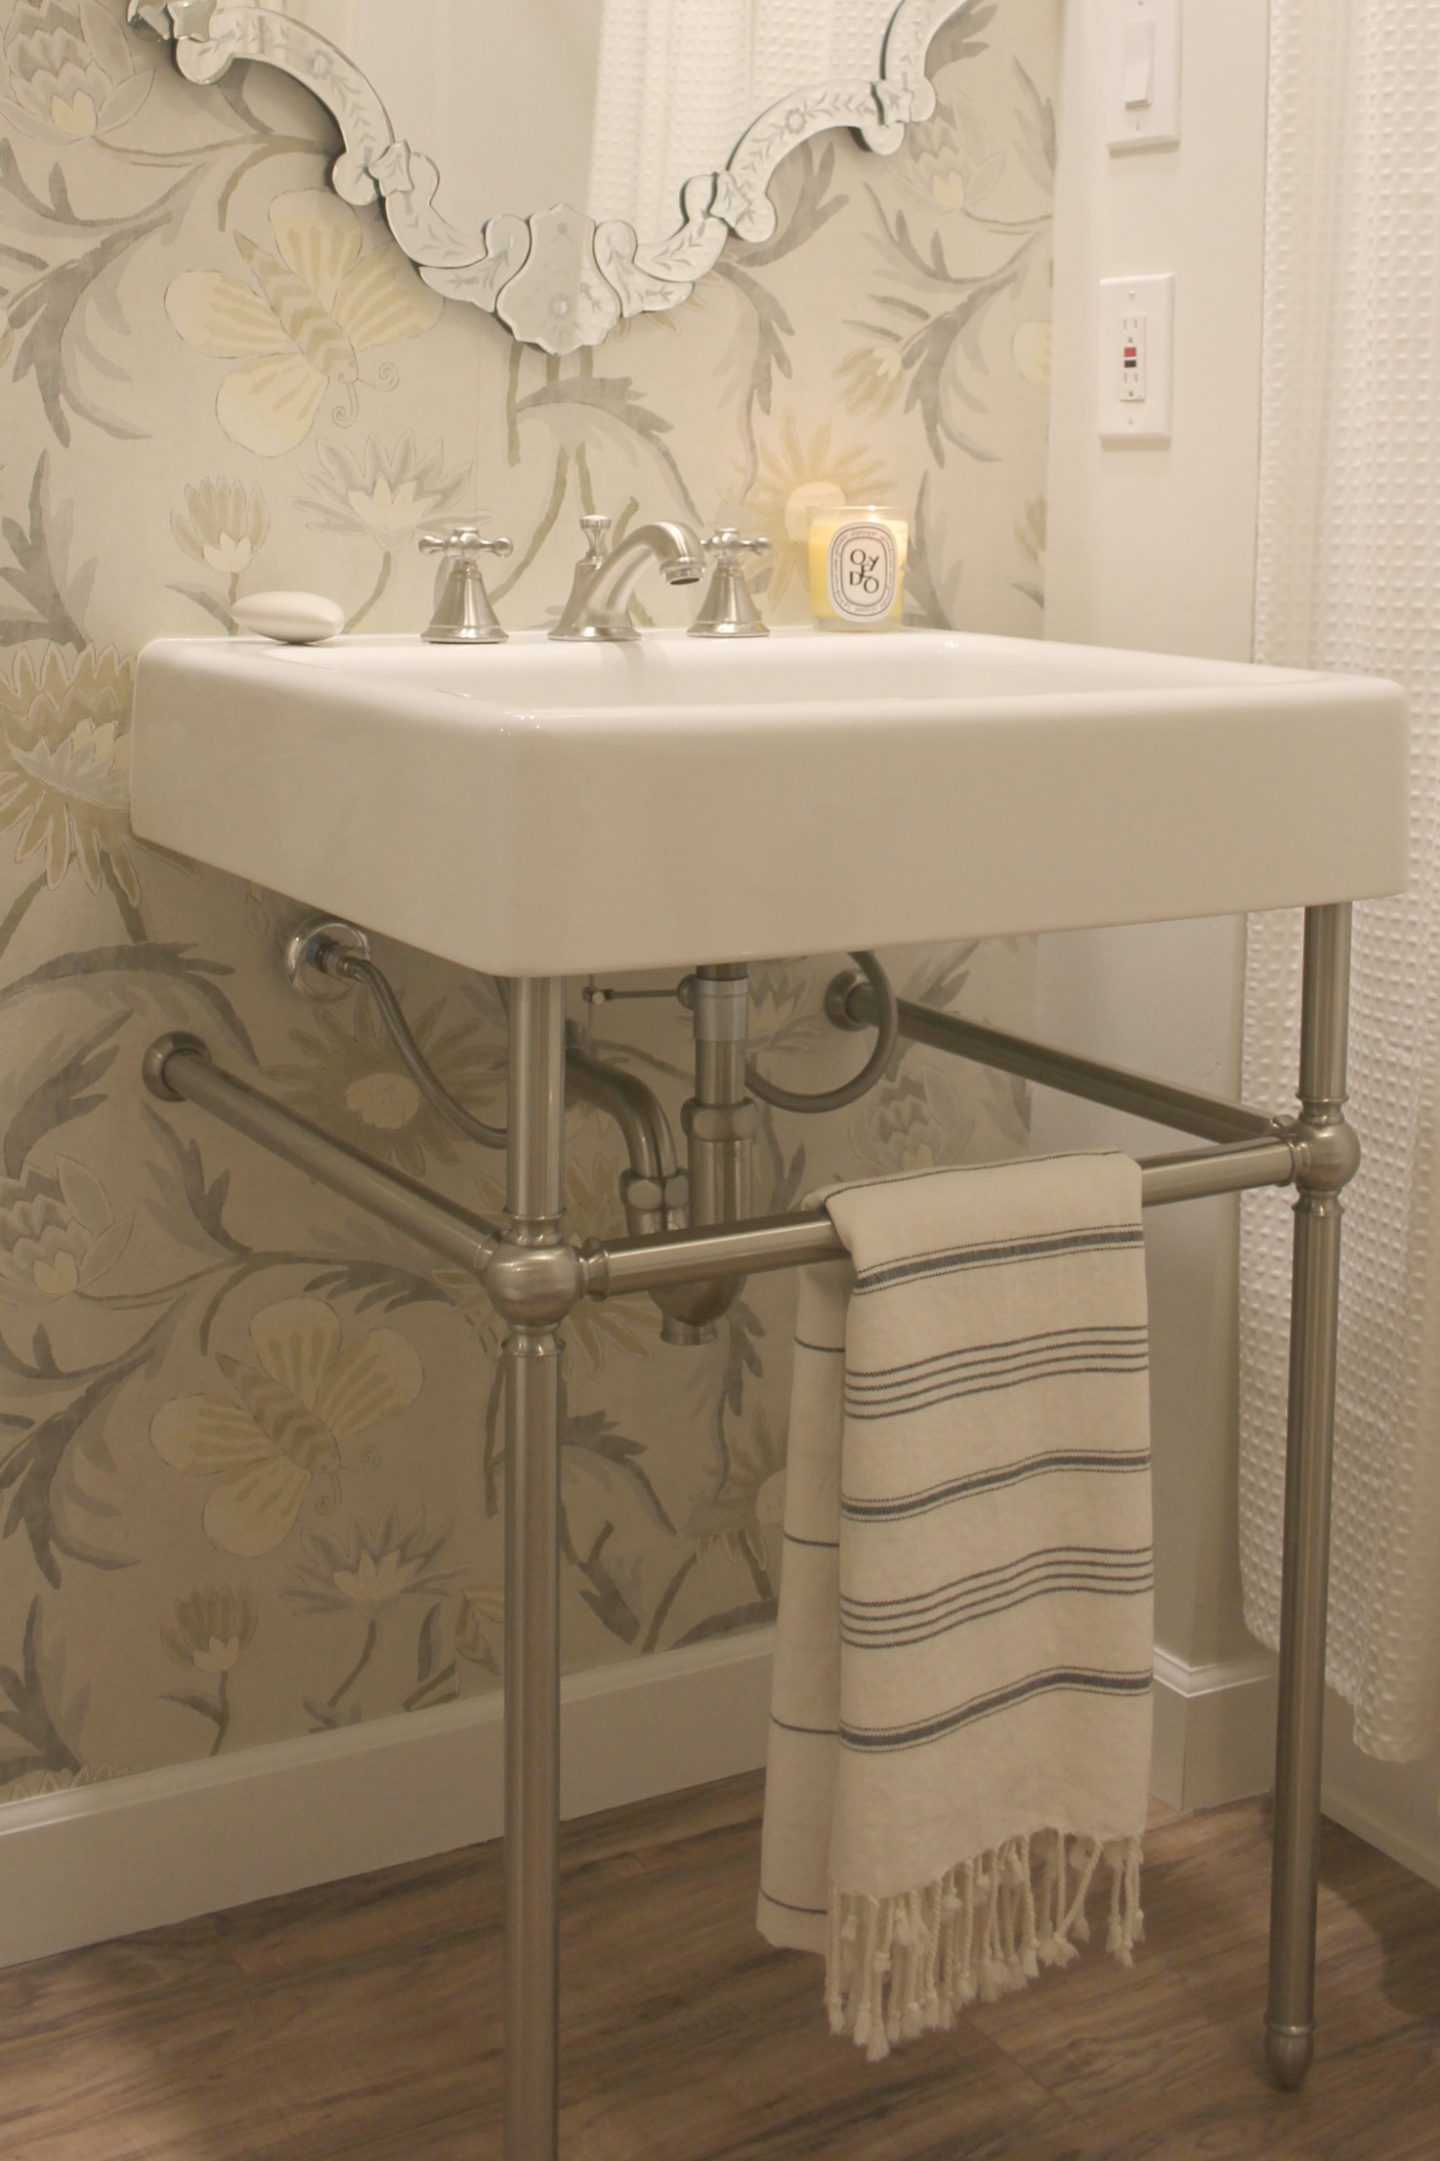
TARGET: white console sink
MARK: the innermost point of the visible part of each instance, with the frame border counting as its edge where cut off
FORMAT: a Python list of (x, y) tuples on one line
[(546, 809)]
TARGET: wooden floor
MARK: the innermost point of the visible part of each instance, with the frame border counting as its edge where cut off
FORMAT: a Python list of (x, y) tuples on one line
[(361, 2021)]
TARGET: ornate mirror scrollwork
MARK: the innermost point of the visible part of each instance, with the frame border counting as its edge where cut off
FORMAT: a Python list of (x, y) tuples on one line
[(566, 164)]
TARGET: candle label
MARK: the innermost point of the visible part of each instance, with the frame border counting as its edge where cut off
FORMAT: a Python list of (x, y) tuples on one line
[(864, 569)]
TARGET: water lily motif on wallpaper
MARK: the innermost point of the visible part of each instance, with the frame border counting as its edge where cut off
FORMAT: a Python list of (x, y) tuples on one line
[(223, 526), (799, 475), (72, 70), (384, 495), (317, 305), (57, 1234), (64, 766), (212, 1628), (252, 1466)]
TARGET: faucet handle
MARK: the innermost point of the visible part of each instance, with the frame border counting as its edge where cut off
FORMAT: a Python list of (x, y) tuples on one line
[(596, 529), (728, 541), (729, 609), (462, 540), (463, 614)]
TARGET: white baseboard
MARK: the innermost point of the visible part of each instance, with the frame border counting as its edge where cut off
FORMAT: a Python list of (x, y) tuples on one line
[(1415, 1851), (1214, 1730), (1393, 1806), (106, 1860)]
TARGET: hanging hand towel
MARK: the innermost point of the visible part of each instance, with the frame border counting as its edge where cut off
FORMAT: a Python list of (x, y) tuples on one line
[(961, 1710)]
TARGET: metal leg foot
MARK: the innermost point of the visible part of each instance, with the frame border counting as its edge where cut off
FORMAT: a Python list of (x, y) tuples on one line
[(1290, 2014), (1289, 2055), (532, 1617)]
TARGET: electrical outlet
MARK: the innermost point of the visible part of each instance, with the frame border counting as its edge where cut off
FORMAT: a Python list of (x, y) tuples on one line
[(1136, 374)]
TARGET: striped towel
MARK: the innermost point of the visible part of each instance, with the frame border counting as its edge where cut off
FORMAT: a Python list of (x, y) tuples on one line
[(961, 1710)]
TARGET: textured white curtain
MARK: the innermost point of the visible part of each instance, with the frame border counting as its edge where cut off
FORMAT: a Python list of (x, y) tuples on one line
[(681, 81), (1349, 578)]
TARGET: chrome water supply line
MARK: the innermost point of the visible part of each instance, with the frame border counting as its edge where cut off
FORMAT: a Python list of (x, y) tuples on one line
[(883, 1015), (338, 954)]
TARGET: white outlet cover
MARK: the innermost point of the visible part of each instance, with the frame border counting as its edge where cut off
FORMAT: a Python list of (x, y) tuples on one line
[(1152, 25), (1153, 300)]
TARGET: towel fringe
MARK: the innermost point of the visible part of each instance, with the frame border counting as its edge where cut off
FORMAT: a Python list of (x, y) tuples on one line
[(899, 1967)]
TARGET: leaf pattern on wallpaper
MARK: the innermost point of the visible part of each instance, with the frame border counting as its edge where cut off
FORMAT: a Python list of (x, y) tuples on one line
[(53, 304), (31, 1742), (39, 568), (251, 1447)]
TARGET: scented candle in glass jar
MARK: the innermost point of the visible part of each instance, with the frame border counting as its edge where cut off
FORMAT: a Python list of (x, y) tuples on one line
[(857, 566)]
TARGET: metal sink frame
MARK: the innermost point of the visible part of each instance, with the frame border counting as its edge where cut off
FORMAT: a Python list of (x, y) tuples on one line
[(535, 1276)]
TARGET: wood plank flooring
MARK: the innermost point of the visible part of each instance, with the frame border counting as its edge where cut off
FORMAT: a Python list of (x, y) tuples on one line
[(362, 2021)]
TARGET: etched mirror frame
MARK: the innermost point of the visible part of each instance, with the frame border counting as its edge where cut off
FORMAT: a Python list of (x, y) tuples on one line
[(555, 277)]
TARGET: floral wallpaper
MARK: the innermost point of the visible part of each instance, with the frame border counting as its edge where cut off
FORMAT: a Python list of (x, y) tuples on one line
[(250, 1477)]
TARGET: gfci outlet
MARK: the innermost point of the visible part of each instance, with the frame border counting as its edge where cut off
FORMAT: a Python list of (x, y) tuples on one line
[(1136, 360)]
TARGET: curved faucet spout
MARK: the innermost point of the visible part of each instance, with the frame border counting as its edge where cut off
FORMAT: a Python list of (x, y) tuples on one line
[(599, 607)]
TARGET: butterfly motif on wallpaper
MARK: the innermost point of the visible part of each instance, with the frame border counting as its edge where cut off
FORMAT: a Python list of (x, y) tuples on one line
[(319, 303), (280, 1430)]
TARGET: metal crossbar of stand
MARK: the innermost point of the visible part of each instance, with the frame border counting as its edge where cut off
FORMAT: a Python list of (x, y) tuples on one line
[(534, 1277)]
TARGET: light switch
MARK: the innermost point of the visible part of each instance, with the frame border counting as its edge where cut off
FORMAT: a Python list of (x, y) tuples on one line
[(1139, 64), (1137, 345), (1144, 74)]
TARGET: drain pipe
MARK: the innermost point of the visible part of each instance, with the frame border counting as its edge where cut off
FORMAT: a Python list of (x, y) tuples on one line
[(655, 1191), (720, 1122), (659, 1198)]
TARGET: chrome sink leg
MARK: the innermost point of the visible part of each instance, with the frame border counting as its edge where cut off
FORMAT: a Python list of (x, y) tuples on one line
[(1325, 1162), (535, 1202)]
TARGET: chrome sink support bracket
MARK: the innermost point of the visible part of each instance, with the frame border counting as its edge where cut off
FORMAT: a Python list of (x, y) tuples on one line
[(1328, 1156), (535, 1276), (534, 1279)]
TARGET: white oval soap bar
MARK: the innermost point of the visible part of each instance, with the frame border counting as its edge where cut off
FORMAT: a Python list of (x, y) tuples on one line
[(292, 618)]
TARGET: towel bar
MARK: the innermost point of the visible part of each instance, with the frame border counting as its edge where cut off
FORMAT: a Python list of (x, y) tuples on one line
[(535, 1277)]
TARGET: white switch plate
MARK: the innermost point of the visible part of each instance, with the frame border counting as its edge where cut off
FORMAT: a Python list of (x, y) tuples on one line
[(1137, 398), (1143, 53)]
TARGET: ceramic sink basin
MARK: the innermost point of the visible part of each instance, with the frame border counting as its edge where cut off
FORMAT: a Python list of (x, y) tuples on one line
[(545, 809)]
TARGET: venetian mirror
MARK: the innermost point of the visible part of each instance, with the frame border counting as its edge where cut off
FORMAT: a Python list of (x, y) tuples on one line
[(568, 163)]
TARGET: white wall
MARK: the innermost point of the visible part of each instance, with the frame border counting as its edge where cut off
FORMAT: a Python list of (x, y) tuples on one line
[(1156, 548)]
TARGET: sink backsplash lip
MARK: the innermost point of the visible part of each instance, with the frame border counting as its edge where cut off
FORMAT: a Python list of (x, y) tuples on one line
[(796, 676)]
